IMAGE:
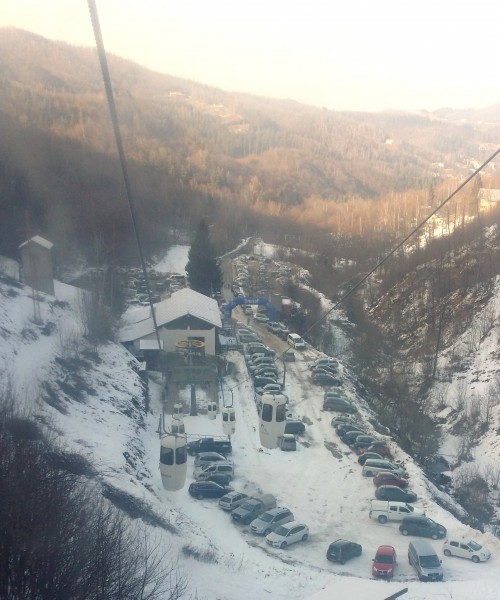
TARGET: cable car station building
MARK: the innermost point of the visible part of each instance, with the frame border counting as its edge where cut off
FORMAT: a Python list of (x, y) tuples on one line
[(185, 317)]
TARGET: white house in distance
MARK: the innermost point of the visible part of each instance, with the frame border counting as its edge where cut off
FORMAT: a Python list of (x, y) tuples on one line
[(186, 315)]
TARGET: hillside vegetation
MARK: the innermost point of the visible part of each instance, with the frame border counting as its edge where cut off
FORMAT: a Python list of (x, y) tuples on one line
[(248, 164)]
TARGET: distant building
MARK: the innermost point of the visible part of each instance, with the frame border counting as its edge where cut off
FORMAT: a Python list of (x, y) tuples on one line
[(488, 198), (36, 264)]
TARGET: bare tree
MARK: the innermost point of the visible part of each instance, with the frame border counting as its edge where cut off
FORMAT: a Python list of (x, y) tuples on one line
[(58, 542)]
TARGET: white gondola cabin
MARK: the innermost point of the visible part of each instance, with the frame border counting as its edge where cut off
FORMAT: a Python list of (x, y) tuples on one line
[(177, 426), (173, 461), (272, 419), (212, 410), (178, 412), (228, 421)]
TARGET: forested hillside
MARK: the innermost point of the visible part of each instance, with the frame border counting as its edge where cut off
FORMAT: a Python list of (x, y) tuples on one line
[(249, 164)]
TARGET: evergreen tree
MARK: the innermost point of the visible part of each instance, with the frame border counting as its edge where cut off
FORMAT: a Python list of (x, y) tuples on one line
[(204, 273)]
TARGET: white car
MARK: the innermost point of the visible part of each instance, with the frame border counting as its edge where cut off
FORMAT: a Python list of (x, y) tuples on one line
[(466, 548), (288, 534)]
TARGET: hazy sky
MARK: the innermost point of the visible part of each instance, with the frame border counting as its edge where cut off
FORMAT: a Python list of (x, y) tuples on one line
[(354, 54)]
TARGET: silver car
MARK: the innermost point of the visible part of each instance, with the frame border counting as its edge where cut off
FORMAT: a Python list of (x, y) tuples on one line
[(271, 519)]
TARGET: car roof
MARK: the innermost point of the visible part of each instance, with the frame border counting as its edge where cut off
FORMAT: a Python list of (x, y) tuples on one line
[(276, 510), (211, 453), (385, 550), (291, 524), (341, 542), (219, 463)]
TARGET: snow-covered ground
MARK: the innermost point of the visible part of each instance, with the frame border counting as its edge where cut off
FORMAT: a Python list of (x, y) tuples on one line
[(321, 482)]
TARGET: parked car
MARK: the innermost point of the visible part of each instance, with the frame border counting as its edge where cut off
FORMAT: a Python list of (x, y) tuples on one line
[(466, 548), (220, 467), (270, 520), (295, 341), (260, 368), (344, 428), (373, 466), (324, 369), (292, 426), (269, 388), (379, 448), (349, 436), (260, 318), (325, 360), (287, 534), (384, 562), (204, 458), (273, 326), (343, 550), (339, 420), (288, 442), (422, 526), (363, 441), (367, 455), (283, 331), (232, 500), (264, 380), (220, 478), (393, 492), (207, 489), (338, 405), (390, 478), (336, 393)]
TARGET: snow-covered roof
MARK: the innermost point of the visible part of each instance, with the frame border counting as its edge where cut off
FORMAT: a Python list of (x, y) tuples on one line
[(38, 239), (139, 322), (150, 344)]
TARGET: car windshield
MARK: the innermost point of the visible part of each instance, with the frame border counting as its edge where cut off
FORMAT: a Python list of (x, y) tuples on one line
[(474, 546), (384, 559), (247, 505), (429, 561), (266, 517), (281, 530)]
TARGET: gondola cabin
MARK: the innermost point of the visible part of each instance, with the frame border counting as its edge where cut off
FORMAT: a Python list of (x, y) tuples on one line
[(178, 411), (212, 410), (178, 426), (272, 420), (173, 461), (228, 421)]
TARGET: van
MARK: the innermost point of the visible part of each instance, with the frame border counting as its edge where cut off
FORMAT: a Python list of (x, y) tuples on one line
[(425, 561), (374, 466), (389, 510), (295, 341)]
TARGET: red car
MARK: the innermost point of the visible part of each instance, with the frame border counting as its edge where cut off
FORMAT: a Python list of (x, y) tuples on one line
[(389, 478), (384, 562)]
